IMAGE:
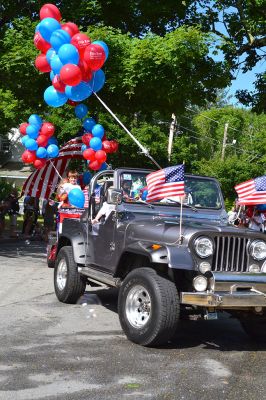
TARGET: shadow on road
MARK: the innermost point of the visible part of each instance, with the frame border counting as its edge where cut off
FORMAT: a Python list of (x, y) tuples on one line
[(223, 334)]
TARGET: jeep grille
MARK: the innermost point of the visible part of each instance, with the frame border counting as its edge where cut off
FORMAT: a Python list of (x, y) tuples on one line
[(230, 254)]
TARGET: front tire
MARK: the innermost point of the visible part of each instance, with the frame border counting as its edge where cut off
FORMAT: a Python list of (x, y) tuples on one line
[(255, 327), (68, 283), (148, 307)]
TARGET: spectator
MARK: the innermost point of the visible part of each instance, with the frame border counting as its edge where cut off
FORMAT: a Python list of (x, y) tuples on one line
[(31, 213), (49, 210), (13, 211), (3, 211), (256, 221)]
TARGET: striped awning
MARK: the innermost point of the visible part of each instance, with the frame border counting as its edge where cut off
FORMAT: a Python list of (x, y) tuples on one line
[(42, 182)]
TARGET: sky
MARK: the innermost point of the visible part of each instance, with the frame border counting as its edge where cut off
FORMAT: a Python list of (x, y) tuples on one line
[(244, 81)]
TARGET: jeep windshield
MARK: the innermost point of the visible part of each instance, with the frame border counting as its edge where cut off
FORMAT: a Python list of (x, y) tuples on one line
[(200, 192)]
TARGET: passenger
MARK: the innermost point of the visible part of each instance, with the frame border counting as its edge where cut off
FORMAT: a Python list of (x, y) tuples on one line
[(65, 186), (105, 210)]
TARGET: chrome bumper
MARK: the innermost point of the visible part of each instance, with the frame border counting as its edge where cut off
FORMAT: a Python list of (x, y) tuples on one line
[(230, 290)]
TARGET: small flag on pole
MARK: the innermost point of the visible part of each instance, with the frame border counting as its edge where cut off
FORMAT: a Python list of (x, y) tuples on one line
[(252, 192), (166, 183)]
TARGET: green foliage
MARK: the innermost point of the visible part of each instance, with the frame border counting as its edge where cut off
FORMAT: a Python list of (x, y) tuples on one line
[(5, 189)]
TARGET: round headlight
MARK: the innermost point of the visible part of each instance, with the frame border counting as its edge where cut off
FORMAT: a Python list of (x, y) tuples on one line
[(200, 283), (258, 249), (203, 247)]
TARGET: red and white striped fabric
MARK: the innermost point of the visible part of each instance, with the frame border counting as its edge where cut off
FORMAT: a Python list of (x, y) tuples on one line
[(42, 182), (72, 149)]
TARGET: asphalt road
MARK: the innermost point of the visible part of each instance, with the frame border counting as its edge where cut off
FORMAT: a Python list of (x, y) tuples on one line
[(50, 350)]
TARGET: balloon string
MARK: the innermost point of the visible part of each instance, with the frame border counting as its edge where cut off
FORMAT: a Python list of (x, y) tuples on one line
[(144, 150), (55, 169)]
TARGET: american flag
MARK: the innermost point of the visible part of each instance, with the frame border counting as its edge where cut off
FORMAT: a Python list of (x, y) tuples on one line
[(252, 192), (166, 183), (42, 182)]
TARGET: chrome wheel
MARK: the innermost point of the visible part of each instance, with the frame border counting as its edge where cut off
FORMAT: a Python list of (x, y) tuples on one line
[(138, 306), (61, 276)]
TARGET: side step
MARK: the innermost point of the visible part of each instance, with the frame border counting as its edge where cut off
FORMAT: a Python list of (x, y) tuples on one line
[(99, 277)]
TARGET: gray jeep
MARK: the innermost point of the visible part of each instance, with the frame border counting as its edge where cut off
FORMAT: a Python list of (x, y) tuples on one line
[(166, 269)]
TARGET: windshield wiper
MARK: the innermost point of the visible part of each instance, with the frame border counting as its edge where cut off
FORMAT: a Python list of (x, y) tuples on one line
[(169, 201)]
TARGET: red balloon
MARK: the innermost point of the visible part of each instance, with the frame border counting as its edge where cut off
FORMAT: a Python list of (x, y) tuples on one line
[(114, 145), (28, 156), (40, 43), (89, 154), (85, 70), (39, 163), (50, 11), (107, 146), (47, 129), (71, 28), (70, 74), (42, 140), (80, 41), (72, 102), (58, 84), (95, 165), (94, 56), (42, 64), (23, 127), (100, 156), (86, 138)]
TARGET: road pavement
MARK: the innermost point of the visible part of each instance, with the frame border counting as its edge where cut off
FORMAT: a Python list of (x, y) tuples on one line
[(51, 350)]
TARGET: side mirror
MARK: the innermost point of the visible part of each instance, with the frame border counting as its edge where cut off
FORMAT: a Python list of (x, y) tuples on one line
[(114, 196)]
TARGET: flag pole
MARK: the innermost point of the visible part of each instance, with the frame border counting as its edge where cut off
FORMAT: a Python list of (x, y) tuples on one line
[(143, 149), (180, 240)]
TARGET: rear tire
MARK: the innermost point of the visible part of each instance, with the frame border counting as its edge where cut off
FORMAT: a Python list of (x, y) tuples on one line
[(68, 283), (148, 307)]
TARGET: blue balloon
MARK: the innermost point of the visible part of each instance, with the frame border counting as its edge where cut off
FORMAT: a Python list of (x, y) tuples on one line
[(88, 124), (58, 38), (31, 144), (47, 27), (76, 198), (81, 111), (37, 27), (52, 150), (86, 177), (68, 54), (98, 131), (50, 54), (79, 92), (24, 139), (52, 140), (32, 131), (54, 98), (97, 81), (104, 166), (96, 143), (36, 120), (56, 64), (104, 46), (83, 147), (52, 75), (41, 152)]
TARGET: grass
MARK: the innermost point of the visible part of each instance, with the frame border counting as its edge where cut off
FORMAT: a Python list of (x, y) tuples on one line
[(20, 219)]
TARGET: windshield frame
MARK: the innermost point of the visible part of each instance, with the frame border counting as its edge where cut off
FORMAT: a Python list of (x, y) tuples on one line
[(120, 171)]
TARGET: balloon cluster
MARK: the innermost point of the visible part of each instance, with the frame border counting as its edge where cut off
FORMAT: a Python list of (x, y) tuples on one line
[(95, 144), (37, 137), (73, 61)]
